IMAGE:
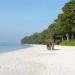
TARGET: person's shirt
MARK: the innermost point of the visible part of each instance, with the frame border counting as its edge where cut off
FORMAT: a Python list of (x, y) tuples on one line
[(51, 40)]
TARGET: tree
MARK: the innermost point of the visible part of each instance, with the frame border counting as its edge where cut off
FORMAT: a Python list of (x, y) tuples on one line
[(63, 27)]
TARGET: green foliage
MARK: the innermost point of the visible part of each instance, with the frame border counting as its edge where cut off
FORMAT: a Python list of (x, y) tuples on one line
[(37, 38), (62, 28), (68, 43), (58, 42)]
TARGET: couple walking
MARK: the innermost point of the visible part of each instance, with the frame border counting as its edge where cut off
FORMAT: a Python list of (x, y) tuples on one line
[(50, 43)]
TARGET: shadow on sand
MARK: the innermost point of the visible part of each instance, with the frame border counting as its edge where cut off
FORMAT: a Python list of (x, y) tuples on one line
[(53, 49)]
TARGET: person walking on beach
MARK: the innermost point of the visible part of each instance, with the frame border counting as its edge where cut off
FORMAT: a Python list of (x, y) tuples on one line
[(50, 43)]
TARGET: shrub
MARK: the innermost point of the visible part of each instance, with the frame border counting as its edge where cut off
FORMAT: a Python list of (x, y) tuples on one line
[(57, 42), (68, 43)]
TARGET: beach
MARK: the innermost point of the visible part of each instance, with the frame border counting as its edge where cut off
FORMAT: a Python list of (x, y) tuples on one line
[(37, 60)]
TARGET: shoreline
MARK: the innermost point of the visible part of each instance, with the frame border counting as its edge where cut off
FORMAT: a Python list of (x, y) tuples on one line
[(5, 49), (37, 60)]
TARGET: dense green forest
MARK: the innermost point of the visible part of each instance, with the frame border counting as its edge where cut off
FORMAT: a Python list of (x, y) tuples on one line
[(62, 29)]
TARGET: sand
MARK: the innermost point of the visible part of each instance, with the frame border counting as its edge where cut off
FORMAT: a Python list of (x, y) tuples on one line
[(37, 60)]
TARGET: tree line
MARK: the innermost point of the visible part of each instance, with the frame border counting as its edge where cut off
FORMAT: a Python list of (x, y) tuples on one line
[(63, 28)]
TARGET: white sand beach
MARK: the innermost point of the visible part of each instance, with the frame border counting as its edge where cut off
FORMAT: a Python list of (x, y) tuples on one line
[(37, 60)]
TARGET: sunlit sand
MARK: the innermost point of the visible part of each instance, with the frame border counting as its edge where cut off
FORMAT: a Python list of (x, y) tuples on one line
[(37, 60)]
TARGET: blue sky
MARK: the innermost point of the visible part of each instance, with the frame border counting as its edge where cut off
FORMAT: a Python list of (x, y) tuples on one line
[(19, 18)]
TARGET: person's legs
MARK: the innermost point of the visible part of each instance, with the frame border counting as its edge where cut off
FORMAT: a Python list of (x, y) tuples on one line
[(49, 46), (52, 46)]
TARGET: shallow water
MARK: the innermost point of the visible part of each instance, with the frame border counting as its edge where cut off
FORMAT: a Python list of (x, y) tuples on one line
[(6, 48)]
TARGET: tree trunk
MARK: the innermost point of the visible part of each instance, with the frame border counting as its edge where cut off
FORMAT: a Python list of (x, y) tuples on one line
[(67, 36), (72, 35), (62, 38)]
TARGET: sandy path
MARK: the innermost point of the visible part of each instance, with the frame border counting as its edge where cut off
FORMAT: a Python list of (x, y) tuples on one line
[(37, 60)]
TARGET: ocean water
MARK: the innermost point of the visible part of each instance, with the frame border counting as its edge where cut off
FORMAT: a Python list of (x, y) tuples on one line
[(12, 47)]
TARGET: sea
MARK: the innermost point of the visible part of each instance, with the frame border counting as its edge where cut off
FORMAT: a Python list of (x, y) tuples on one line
[(12, 47)]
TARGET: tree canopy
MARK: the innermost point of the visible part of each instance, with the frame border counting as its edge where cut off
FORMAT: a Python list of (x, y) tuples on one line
[(63, 28)]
